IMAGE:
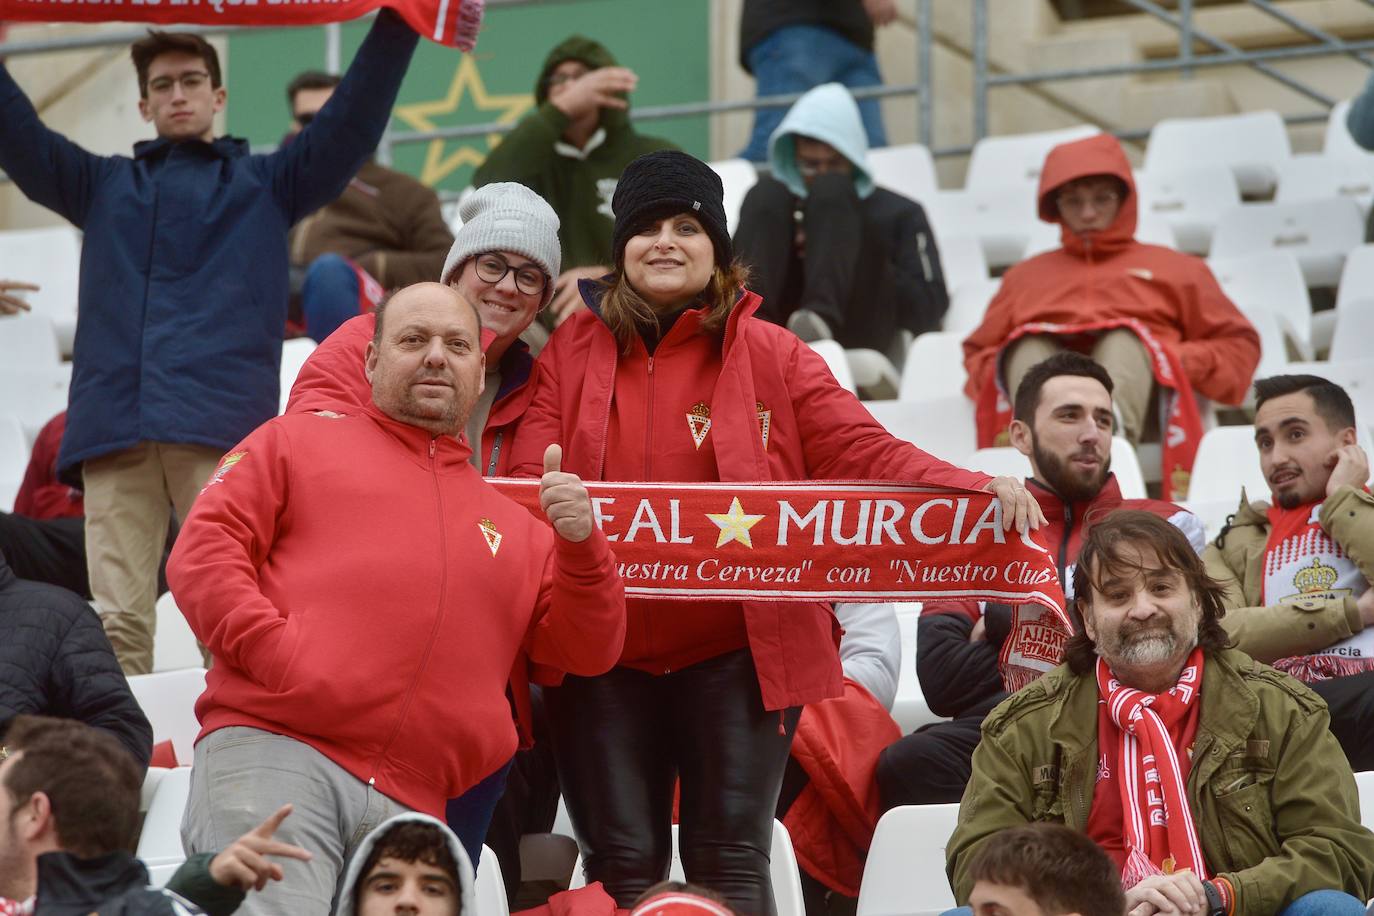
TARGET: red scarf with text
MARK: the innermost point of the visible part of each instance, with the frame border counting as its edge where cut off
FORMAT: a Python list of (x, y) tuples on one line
[(448, 22), (1145, 741), (1179, 416)]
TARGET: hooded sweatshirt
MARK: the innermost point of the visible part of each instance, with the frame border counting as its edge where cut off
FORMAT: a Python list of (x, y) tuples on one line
[(578, 184), (898, 264), (1109, 275), (467, 884)]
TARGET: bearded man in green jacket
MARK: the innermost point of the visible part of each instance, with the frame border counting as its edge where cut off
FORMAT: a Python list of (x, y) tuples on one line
[(1212, 781)]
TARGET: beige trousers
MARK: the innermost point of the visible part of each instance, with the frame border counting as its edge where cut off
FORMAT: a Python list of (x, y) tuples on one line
[(1118, 351), (129, 497)]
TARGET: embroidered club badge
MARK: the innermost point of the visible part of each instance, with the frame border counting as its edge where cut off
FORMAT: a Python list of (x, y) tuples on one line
[(490, 534), (699, 422), (765, 421)]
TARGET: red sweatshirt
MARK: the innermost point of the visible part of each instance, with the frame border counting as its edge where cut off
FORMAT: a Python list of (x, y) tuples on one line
[(776, 413), (1113, 276), (42, 495), (365, 592)]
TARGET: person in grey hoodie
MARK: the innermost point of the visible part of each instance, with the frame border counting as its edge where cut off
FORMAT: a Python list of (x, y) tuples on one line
[(833, 256), (411, 864)]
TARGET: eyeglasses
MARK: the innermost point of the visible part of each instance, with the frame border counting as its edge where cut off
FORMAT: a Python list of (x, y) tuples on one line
[(1100, 201), (492, 268), (190, 81)]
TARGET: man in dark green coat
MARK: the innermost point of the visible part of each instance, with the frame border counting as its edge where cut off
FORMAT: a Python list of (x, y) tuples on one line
[(571, 150)]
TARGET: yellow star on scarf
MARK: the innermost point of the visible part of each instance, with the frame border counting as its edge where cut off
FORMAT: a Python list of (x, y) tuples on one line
[(734, 525)]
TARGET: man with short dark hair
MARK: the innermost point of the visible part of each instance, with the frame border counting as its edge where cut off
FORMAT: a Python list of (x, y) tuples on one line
[(366, 597), (1212, 780), (410, 865), (183, 290), (969, 656), (1044, 870), (383, 232), (69, 799), (1307, 560)]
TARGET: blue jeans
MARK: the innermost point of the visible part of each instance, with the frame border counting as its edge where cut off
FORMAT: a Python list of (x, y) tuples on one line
[(1316, 903), (796, 58), (469, 814), (329, 296)]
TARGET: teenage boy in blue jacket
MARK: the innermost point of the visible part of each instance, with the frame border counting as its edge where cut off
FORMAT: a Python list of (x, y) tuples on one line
[(183, 290)]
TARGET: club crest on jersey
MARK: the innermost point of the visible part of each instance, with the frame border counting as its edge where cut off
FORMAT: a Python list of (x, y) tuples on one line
[(490, 534), (765, 421), (699, 422), (225, 466)]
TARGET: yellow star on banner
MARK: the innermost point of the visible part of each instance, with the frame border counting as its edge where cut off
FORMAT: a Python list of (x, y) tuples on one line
[(734, 525), (466, 79)]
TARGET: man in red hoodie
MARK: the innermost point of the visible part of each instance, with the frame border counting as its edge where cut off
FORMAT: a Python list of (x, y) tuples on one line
[(366, 596), (1134, 308)]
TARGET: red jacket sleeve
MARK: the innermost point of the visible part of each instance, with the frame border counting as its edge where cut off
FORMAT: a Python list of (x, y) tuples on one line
[(842, 441), (213, 569), (541, 423), (1220, 348), (41, 495), (980, 347), (332, 377), (579, 620)]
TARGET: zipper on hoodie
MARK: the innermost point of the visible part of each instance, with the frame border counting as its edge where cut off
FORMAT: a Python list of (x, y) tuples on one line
[(925, 257), (606, 417), (495, 453), (648, 452), (434, 628)]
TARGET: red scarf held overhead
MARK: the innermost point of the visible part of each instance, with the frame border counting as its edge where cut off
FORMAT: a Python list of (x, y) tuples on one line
[(448, 22), (1179, 414), (1145, 741)]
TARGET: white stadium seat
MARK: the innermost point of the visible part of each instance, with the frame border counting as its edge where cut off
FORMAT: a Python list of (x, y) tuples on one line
[(934, 367), (738, 176), (50, 258), (175, 647), (999, 461), (907, 169), (1364, 782), (1001, 218), (14, 460), (968, 305), (942, 426), (1316, 177), (962, 260), (1267, 281), (1226, 461), (1126, 466), (1338, 140), (1017, 158), (160, 841), (1190, 199), (1318, 232), (294, 353), (29, 341), (168, 699), (874, 374), (835, 358), (905, 872), (1251, 145), (909, 707), (1354, 332), (34, 396), (1357, 277)]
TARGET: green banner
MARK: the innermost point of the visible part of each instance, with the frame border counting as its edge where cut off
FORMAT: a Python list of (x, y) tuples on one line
[(445, 87)]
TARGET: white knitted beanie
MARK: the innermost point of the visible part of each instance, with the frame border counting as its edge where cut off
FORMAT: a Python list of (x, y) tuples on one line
[(506, 216)]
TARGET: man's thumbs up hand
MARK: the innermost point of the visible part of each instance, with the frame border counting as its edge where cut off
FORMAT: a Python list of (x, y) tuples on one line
[(564, 499)]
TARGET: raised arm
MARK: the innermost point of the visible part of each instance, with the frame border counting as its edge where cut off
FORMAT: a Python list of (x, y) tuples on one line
[(314, 168), (213, 569), (50, 169)]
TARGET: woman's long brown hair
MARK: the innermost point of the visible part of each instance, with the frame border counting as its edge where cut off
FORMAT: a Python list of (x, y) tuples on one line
[(626, 313)]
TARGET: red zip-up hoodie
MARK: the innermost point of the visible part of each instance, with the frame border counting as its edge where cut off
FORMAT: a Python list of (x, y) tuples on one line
[(1111, 275), (364, 591), (776, 413)]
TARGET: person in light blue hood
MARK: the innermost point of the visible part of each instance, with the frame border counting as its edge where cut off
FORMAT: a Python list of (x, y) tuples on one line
[(833, 255)]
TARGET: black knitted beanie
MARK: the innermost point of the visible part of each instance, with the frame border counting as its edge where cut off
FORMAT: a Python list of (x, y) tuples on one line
[(665, 183)]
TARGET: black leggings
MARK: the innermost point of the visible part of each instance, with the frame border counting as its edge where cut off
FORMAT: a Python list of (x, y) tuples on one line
[(622, 739)]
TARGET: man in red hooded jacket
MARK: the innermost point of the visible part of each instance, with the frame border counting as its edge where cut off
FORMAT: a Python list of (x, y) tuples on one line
[(1103, 276)]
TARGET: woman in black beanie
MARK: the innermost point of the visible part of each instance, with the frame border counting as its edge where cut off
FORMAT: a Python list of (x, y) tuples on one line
[(668, 376)]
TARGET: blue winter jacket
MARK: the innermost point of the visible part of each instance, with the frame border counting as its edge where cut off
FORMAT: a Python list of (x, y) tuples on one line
[(184, 266)]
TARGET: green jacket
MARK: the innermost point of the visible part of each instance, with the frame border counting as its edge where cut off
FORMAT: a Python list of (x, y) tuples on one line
[(1270, 789), (577, 184), (193, 882), (1236, 559)]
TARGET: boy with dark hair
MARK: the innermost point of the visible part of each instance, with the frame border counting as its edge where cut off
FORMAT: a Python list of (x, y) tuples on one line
[(1044, 870), (183, 290), (309, 81), (410, 865)]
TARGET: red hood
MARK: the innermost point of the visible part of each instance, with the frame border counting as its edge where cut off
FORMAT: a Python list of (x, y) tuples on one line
[(1100, 155)]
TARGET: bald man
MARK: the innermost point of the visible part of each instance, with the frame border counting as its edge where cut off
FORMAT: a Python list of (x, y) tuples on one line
[(366, 596)]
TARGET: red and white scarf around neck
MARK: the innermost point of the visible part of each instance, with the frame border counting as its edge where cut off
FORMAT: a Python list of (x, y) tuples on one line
[(1159, 833)]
